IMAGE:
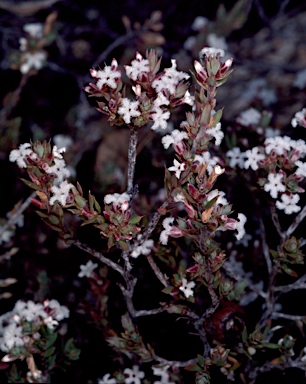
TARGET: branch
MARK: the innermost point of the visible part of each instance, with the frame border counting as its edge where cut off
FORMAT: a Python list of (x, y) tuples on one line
[(158, 273), (296, 222), (99, 256), (298, 284), (132, 159), (280, 315), (15, 216)]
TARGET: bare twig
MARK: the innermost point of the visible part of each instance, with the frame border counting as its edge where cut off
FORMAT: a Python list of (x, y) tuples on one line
[(99, 256), (296, 222), (132, 152), (265, 247), (15, 216), (161, 277), (280, 315), (298, 284), (276, 222)]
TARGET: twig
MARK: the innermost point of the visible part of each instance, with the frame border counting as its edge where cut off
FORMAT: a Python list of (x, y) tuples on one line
[(157, 271), (15, 216), (265, 247), (276, 222), (299, 218), (132, 152), (99, 256), (298, 284), (280, 315)]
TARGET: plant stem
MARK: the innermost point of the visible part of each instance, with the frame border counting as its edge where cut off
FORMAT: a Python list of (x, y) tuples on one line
[(132, 152)]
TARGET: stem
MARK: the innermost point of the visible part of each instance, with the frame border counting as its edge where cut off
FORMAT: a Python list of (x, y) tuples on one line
[(99, 256), (265, 247), (14, 218), (299, 218), (132, 152), (157, 271)]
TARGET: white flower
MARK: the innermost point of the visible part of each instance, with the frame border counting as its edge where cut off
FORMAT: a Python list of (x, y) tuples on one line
[(34, 30), (178, 168), (240, 226), (50, 322), (33, 60), (107, 380), (280, 145), (205, 158), (301, 171), (216, 133), (57, 152), (119, 201), (106, 76), (253, 156), (300, 79), (160, 118), (19, 155), (137, 67), (143, 249), (236, 157), (175, 138), (163, 373), (216, 41), (59, 170), (29, 310), (12, 337), (59, 312), (221, 199), (186, 287), (289, 203), (170, 79), (199, 22), (62, 141), (211, 52), (134, 375), (164, 235), (129, 109), (60, 193), (87, 269), (275, 184), (249, 117), (161, 100), (299, 119)]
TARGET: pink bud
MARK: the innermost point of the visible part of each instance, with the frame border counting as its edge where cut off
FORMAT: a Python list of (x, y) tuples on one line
[(114, 65), (176, 232), (93, 72), (138, 56), (231, 224)]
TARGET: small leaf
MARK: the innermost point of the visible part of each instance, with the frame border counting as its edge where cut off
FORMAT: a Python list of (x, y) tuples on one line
[(31, 185)]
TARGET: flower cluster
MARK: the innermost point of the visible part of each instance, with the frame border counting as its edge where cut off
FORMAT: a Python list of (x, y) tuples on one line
[(22, 329)]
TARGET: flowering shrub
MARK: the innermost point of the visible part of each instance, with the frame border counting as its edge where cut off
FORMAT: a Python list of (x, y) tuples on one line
[(201, 286), (176, 263)]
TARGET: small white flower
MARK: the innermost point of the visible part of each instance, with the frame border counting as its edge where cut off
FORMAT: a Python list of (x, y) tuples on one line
[(119, 201), (275, 184), (280, 145), (134, 375), (87, 269), (216, 133), (187, 287), (249, 117), (137, 67), (178, 168), (236, 157), (33, 60), (163, 373), (170, 79), (289, 203), (57, 152), (160, 118), (175, 138), (19, 155), (301, 171), (59, 312), (164, 235), (143, 249), (35, 30), (62, 141), (240, 226), (128, 109), (216, 41), (30, 311), (212, 52), (59, 170), (199, 22), (299, 119), (253, 156), (106, 76), (60, 193), (12, 337), (50, 322), (205, 158), (107, 380)]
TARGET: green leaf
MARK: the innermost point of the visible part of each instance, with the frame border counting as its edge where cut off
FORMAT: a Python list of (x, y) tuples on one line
[(49, 352), (31, 185), (272, 346), (168, 289)]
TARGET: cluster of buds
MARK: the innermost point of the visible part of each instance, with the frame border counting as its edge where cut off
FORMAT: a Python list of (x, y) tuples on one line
[(156, 93)]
